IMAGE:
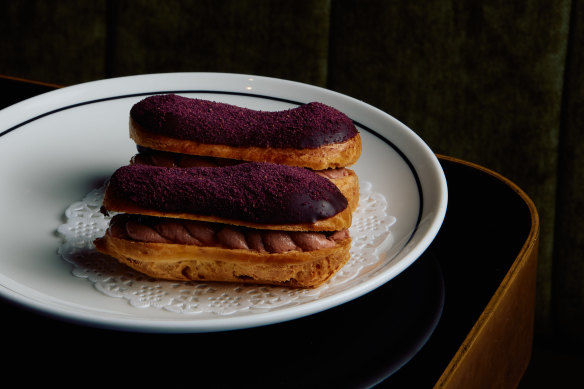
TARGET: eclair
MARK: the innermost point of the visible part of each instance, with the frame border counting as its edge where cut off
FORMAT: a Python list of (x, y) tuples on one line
[(172, 130), (258, 223), (312, 135), (345, 179)]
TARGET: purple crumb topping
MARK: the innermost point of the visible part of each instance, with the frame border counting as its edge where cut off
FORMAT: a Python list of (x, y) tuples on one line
[(253, 192), (307, 126)]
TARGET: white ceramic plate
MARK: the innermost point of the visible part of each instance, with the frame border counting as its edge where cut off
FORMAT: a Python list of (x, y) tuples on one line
[(57, 147)]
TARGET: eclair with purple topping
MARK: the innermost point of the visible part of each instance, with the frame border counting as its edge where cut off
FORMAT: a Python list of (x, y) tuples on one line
[(251, 222), (172, 130), (313, 135)]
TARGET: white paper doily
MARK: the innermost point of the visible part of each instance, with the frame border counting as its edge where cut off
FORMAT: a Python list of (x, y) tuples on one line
[(370, 233)]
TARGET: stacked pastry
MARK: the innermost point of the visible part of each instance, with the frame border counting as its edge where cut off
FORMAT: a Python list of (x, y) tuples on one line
[(224, 193)]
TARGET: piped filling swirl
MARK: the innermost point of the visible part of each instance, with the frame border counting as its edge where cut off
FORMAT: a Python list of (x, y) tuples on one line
[(147, 156), (190, 232)]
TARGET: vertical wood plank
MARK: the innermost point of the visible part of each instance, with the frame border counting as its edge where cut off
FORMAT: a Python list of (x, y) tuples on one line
[(271, 38), (568, 296), (478, 81), (58, 42)]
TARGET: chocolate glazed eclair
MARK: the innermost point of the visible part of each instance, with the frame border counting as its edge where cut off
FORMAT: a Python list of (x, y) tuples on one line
[(171, 130), (251, 222)]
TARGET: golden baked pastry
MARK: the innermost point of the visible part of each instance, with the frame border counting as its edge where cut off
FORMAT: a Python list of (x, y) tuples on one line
[(250, 222), (211, 261), (313, 135)]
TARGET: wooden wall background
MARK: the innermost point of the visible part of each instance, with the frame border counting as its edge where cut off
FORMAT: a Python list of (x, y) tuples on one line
[(498, 83)]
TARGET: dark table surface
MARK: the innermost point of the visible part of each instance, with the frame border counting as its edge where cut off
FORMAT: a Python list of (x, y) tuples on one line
[(403, 334)]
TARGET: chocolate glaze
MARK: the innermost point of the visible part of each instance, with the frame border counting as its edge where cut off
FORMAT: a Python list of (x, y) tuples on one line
[(149, 156), (307, 126), (252, 192)]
